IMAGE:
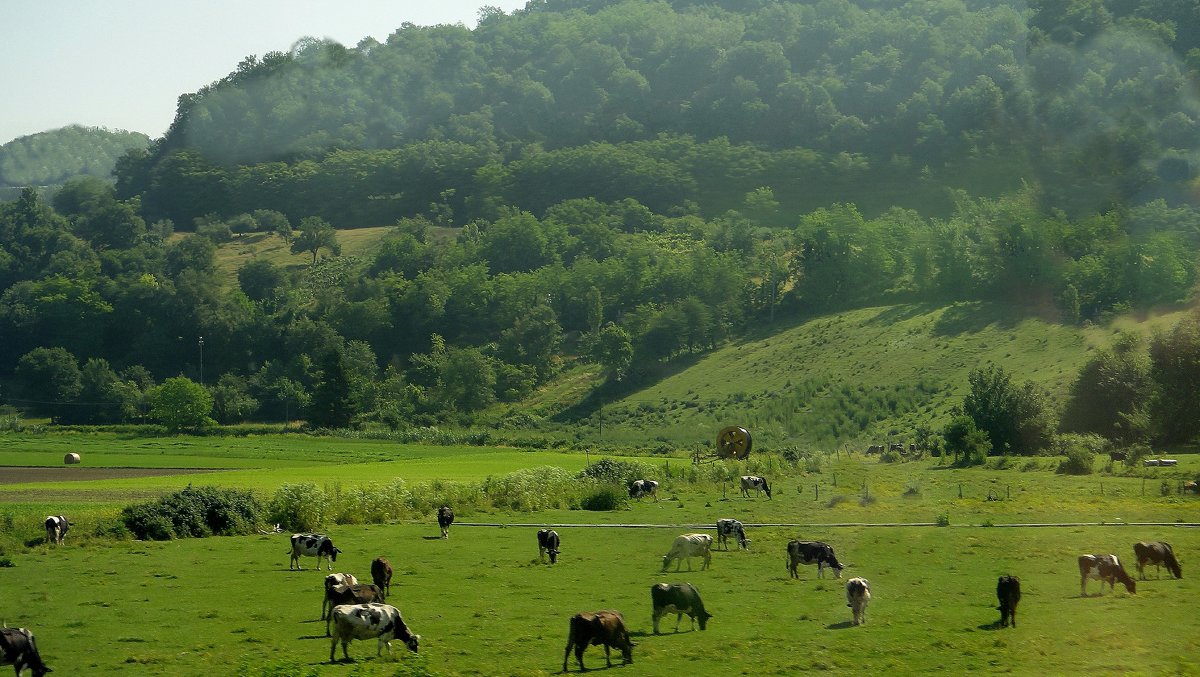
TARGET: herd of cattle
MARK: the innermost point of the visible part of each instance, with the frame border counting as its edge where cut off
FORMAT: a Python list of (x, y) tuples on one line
[(353, 610)]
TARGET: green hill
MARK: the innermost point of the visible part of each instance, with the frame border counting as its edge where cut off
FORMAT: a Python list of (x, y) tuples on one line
[(856, 378), (50, 158)]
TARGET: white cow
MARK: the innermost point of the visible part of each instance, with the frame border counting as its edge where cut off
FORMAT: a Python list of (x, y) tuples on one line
[(56, 528), (688, 546), (727, 527), (365, 621), (331, 581), (759, 484), (858, 593), (313, 545)]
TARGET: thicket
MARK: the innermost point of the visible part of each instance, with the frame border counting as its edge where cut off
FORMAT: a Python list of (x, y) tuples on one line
[(195, 512)]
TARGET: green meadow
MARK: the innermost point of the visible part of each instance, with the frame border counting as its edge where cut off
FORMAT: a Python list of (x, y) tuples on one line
[(485, 606)]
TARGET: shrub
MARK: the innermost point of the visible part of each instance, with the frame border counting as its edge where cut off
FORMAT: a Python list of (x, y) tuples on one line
[(1079, 461), (943, 520), (298, 507), (146, 522), (195, 512), (533, 489), (612, 471), (890, 456), (605, 497)]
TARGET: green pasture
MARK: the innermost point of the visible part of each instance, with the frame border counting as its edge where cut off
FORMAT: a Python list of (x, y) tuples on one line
[(484, 606)]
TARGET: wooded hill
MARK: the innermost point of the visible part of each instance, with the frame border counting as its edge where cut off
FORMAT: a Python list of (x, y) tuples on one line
[(623, 184), (48, 159)]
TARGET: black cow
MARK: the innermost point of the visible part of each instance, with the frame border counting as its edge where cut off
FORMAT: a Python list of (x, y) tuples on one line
[(1008, 592), (313, 545), (381, 573), (678, 599), (18, 649), (547, 543), (1106, 569), (445, 519), (359, 593), (56, 529), (812, 552), (1158, 554), (596, 628)]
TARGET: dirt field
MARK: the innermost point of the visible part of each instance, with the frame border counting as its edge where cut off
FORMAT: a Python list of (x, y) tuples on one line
[(23, 474)]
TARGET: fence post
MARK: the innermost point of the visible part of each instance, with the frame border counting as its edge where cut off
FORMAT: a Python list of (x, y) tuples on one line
[(960, 489), (816, 492)]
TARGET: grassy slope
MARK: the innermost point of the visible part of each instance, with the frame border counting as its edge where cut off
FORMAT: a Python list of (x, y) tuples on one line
[(243, 249)]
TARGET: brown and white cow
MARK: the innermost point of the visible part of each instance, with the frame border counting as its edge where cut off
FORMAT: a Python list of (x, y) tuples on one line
[(688, 546), (678, 599), (812, 552), (1158, 554), (331, 581), (18, 649), (313, 545), (56, 528), (359, 593), (598, 628), (548, 542), (640, 488), (759, 484), (445, 517), (858, 593), (381, 574), (1008, 593), (727, 527), (366, 621), (1106, 569)]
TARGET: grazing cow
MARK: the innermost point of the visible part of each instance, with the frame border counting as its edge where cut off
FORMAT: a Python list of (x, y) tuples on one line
[(1008, 591), (1106, 569), (640, 488), (334, 580), (678, 599), (364, 621), (875, 449), (18, 649), (359, 593), (445, 519), (313, 545), (688, 546), (547, 543), (1158, 554), (858, 593), (56, 528), (757, 483), (381, 573), (597, 628), (1190, 487), (812, 552), (727, 527)]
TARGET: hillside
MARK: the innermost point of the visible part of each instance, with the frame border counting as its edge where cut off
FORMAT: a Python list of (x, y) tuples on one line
[(50, 158), (860, 377)]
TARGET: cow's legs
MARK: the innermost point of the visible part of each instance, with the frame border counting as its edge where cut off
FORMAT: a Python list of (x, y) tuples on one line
[(607, 655), (678, 618), (1083, 585)]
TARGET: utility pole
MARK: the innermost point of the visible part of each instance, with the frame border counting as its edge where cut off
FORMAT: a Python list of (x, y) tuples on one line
[(201, 343)]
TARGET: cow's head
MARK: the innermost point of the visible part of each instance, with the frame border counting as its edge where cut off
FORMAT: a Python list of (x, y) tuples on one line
[(766, 488), (333, 554), (703, 617), (553, 555), (413, 643)]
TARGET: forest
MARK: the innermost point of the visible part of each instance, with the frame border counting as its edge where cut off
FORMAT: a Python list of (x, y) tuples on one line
[(623, 184)]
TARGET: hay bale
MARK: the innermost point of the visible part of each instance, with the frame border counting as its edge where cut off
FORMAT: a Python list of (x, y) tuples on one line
[(71, 459)]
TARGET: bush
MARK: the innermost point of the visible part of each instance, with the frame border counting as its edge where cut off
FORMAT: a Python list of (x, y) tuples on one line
[(195, 512), (605, 497), (943, 520), (533, 489), (611, 471), (890, 456), (1079, 461), (146, 522), (298, 507)]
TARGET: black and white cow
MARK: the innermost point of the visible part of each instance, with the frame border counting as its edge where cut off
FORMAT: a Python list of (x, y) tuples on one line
[(678, 599), (858, 593), (1106, 569), (548, 543), (313, 545), (331, 581), (1008, 592), (359, 593), (759, 484), (445, 518), (688, 546), (1159, 554), (56, 528), (18, 649), (365, 621), (640, 488), (812, 552), (727, 527)]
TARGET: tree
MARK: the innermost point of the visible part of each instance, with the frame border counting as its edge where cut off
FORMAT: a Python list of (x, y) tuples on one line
[(104, 397), (968, 444), (260, 279), (1016, 420), (315, 234), (232, 402), (1112, 394), (1175, 366), (612, 348), (50, 380), (533, 341), (181, 404), (271, 221), (330, 405)]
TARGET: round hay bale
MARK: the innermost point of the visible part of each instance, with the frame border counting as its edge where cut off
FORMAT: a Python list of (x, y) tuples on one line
[(71, 459)]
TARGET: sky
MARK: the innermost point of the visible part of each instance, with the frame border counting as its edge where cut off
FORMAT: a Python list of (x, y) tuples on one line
[(122, 64)]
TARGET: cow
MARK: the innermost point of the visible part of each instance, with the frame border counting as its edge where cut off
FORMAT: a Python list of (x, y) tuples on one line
[(313, 545), (1158, 554), (757, 483), (1008, 592), (688, 546), (56, 528), (640, 488), (678, 599), (1106, 569), (359, 593), (875, 449), (812, 552), (547, 543), (597, 628), (727, 527), (381, 574), (1190, 487), (858, 593), (18, 649), (445, 518), (364, 621), (330, 581)]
